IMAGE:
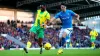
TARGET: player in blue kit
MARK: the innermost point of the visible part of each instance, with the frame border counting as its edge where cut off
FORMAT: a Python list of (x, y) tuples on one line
[(66, 17)]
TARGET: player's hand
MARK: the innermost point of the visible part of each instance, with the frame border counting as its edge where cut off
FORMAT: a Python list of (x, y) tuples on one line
[(79, 22), (43, 25)]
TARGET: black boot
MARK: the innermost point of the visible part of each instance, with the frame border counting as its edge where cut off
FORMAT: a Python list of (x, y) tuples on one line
[(25, 50)]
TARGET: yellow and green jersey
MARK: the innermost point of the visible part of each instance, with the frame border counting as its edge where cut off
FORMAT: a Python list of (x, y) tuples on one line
[(41, 18), (93, 33), (29, 44)]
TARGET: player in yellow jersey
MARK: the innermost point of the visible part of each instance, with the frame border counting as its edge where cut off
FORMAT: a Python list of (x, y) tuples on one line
[(93, 35), (42, 19), (29, 44)]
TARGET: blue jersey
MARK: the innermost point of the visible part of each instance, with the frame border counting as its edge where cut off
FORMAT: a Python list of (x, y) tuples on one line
[(66, 18)]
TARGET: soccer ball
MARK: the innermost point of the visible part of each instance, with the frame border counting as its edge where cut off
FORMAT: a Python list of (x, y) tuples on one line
[(47, 46)]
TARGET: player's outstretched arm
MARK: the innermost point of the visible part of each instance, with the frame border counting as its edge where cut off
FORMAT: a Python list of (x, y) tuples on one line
[(50, 23)]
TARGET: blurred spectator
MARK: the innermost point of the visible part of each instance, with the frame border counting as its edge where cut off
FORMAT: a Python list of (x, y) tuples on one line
[(18, 21), (8, 22)]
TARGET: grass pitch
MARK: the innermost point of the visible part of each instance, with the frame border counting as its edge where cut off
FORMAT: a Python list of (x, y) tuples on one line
[(67, 52)]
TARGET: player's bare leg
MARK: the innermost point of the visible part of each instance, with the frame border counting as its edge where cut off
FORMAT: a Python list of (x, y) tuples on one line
[(40, 44)]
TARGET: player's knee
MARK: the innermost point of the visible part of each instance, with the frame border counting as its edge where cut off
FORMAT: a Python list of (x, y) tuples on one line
[(64, 35)]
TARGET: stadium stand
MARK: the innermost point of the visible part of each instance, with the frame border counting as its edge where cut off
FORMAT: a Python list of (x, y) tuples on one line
[(79, 38)]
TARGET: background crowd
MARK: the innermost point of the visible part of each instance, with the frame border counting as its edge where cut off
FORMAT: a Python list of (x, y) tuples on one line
[(79, 37)]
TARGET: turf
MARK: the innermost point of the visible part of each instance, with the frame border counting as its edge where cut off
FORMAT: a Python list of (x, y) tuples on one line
[(67, 52)]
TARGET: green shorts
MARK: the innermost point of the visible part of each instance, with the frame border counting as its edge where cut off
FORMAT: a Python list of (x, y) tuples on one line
[(37, 30), (93, 39)]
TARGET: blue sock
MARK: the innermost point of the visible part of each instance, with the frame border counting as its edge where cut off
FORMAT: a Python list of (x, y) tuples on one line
[(62, 42), (68, 44)]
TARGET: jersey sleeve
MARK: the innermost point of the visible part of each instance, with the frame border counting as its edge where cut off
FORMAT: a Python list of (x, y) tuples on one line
[(90, 33), (48, 16), (57, 16), (72, 13)]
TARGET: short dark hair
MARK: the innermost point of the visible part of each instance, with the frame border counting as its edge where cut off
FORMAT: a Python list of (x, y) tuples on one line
[(63, 4), (44, 4)]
